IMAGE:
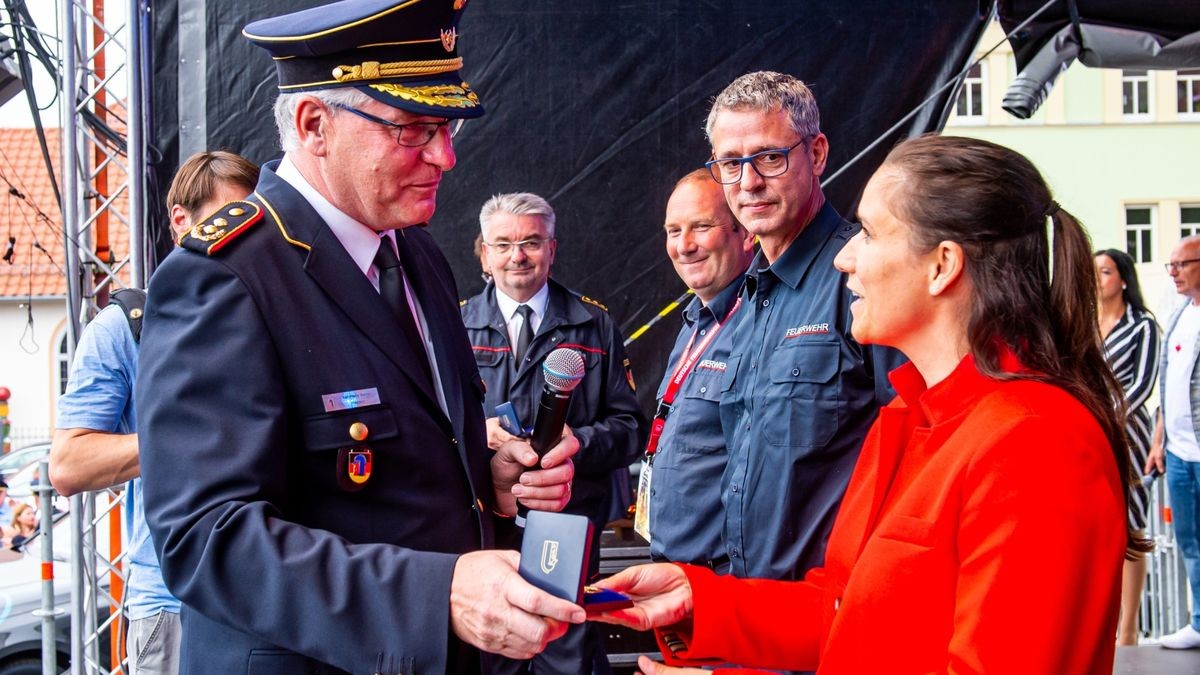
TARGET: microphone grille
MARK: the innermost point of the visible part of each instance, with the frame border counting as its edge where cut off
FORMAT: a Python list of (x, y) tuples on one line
[(563, 369)]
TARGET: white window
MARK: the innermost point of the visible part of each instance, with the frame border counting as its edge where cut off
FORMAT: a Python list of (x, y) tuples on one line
[(1189, 220), (1139, 233), (1135, 93), (970, 97), (64, 364), (1187, 93)]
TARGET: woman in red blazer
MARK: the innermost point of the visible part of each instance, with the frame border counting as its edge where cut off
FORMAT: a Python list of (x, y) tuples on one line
[(984, 527)]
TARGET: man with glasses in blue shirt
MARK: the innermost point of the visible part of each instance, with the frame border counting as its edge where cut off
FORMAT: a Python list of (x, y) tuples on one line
[(316, 472), (518, 319), (798, 393)]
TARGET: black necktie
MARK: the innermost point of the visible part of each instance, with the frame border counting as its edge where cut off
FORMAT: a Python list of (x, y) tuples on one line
[(391, 289), (525, 336)]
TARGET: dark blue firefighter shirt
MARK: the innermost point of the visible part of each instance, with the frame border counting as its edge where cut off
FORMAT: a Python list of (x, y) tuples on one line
[(798, 396), (685, 508)]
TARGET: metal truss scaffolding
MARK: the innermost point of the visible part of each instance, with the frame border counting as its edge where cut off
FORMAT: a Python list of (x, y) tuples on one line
[(102, 164)]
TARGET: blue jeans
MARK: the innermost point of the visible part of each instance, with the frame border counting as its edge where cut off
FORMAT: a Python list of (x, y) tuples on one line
[(1183, 482)]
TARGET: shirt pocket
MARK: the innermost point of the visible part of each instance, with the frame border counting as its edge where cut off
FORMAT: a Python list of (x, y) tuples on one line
[(800, 406), (331, 431)]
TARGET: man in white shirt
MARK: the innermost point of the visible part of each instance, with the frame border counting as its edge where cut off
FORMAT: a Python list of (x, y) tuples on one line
[(1175, 449)]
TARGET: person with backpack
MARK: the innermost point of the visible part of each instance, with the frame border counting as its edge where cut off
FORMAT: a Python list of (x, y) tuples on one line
[(95, 445)]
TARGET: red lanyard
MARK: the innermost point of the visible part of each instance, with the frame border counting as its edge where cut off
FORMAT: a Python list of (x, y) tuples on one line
[(687, 363)]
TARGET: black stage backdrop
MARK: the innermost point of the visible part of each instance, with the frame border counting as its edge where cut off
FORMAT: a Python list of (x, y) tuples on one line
[(597, 105)]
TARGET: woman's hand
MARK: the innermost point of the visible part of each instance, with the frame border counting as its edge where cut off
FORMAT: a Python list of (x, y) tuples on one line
[(661, 596), (649, 667)]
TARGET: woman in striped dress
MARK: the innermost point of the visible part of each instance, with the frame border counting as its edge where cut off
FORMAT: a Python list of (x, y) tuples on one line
[(1131, 343)]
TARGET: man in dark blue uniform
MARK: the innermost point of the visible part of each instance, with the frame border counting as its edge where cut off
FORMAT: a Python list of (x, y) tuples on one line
[(686, 459), (513, 324), (798, 393), (317, 477)]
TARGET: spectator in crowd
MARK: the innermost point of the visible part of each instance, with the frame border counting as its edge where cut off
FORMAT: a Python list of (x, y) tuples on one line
[(799, 392), (312, 413), (24, 525), (95, 445), (6, 508), (1174, 448), (518, 319), (1131, 345), (685, 456), (948, 535)]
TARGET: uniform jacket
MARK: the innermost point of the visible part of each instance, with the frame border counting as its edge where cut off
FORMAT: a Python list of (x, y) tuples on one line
[(280, 568), (983, 531), (604, 413)]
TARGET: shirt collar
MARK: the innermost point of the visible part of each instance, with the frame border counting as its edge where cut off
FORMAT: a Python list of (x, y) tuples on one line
[(804, 249), (537, 303), (958, 392), (360, 241), (719, 307)]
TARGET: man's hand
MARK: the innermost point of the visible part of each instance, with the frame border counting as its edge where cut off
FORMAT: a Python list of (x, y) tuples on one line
[(494, 609), (660, 592), (496, 435), (1157, 457), (547, 489)]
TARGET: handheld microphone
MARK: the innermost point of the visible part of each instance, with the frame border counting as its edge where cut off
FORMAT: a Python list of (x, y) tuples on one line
[(563, 370)]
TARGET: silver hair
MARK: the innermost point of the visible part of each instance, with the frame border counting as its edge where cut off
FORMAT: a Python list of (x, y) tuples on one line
[(518, 204), (768, 91), (286, 103)]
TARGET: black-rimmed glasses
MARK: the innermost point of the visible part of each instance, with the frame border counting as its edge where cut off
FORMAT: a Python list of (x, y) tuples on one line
[(1179, 264), (766, 163), (411, 134)]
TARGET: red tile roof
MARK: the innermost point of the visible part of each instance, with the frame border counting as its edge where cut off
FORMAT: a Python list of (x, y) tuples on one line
[(31, 216)]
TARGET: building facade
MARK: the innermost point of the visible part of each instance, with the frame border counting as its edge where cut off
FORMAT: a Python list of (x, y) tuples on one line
[(1120, 149)]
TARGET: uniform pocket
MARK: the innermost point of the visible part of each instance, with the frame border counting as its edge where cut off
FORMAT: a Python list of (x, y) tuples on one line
[(801, 402), (331, 431), (490, 357)]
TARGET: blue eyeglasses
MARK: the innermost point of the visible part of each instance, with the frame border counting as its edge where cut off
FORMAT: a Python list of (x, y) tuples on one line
[(767, 163)]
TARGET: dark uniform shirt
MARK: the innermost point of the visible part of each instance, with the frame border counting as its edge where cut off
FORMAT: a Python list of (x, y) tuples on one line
[(604, 413), (797, 398), (685, 512)]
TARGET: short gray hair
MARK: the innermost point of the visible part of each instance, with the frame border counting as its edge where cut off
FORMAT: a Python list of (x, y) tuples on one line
[(768, 91), (517, 204), (286, 103)]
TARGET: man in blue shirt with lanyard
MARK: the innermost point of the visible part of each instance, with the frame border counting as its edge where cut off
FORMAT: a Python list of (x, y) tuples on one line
[(798, 393), (95, 446), (685, 456)]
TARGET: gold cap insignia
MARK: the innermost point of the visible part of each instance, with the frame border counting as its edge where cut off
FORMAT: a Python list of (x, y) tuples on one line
[(449, 38)]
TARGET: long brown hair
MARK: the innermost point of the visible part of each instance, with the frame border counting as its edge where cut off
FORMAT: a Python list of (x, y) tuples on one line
[(993, 202)]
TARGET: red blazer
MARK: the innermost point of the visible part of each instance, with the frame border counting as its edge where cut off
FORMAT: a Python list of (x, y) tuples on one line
[(983, 531)]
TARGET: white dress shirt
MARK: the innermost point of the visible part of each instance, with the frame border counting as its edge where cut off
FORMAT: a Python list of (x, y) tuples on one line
[(508, 309), (362, 243)]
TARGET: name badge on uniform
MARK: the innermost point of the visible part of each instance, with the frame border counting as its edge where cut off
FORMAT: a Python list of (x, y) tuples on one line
[(349, 400), (641, 516)]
